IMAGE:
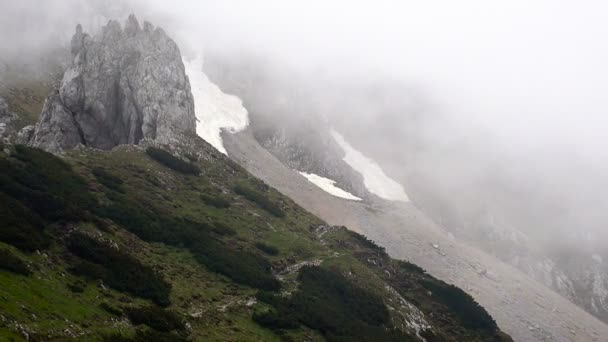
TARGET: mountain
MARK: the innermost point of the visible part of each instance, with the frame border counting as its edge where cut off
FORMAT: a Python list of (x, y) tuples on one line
[(123, 85), (139, 230), (519, 298)]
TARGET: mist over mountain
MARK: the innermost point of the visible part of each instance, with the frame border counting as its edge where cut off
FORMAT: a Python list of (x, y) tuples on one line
[(486, 119)]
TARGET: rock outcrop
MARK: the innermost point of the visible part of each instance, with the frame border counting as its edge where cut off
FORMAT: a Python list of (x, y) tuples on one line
[(6, 117), (124, 85)]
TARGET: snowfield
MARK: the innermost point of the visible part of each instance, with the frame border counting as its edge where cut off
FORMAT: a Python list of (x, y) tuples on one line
[(375, 180), (215, 110), (329, 186)]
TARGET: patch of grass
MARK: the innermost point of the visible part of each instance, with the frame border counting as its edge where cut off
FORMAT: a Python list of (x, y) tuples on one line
[(11, 262), (117, 269), (260, 199), (172, 162)]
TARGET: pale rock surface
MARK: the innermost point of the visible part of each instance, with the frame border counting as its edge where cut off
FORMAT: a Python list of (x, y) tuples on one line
[(123, 85)]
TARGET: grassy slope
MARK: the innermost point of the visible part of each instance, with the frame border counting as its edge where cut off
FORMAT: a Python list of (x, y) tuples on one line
[(214, 306)]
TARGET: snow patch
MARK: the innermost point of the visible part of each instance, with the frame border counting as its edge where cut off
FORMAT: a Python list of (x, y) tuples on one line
[(329, 186), (215, 110), (375, 180)]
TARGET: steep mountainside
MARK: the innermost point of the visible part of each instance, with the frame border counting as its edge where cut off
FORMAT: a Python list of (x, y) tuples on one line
[(169, 240), (286, 121), (293, 129), (141, 244), (523, 307)]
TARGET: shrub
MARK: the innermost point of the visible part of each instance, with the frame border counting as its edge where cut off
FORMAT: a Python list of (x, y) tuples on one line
[(11, 262), (364, 242), (146, 336), (117, 269), (270, 250), (78, 286), (333, 305), (217, 201), (222, 229), (172, 162), (108, 180), (260, 199), (46, 184), (110, 309), (469, 312), (155, 318), (242, 267), (21, 227)]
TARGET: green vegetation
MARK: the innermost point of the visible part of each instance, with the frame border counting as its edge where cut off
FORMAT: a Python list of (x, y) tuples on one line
[(216, 200), (270, 250), (118, 269), (36, 189), (147, 336), (107, 179), (470, 313), (172, 162), (11, 262), (156, 318), (260, 199), (120, 235), (330, 303), (241, 266)]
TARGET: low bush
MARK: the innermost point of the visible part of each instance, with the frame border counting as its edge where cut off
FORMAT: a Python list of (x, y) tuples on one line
[(172, 162), (155, 318), (270, 250), (117, 269), (36, 189), (242, 267), (222, 229), (147, 336), (77, 286), (21, 227), (11, 262), (333, 305), (110, 309), (364, 242), (107, 179), (260, 199), (216, 200), (469, 312), (45, 184)]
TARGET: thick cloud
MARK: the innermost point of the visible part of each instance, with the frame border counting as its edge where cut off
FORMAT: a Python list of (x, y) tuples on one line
[(499, 104)]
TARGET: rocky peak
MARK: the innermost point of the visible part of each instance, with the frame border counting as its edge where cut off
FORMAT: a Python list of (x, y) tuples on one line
[(123, 85)]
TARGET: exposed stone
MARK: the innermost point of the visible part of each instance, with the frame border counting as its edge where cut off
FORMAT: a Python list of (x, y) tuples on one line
[(6, 117), (123, 85)]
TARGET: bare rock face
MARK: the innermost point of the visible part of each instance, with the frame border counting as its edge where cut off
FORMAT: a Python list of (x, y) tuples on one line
[(124, 85), (5, 120)]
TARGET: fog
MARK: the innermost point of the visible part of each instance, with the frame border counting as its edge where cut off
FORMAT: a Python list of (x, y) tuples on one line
[(488, 107)]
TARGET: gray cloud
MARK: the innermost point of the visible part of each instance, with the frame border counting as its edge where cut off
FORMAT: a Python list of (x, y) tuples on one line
[(494, 104)]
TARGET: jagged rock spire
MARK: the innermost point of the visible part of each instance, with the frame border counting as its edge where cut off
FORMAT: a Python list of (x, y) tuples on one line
[(123, 85)]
